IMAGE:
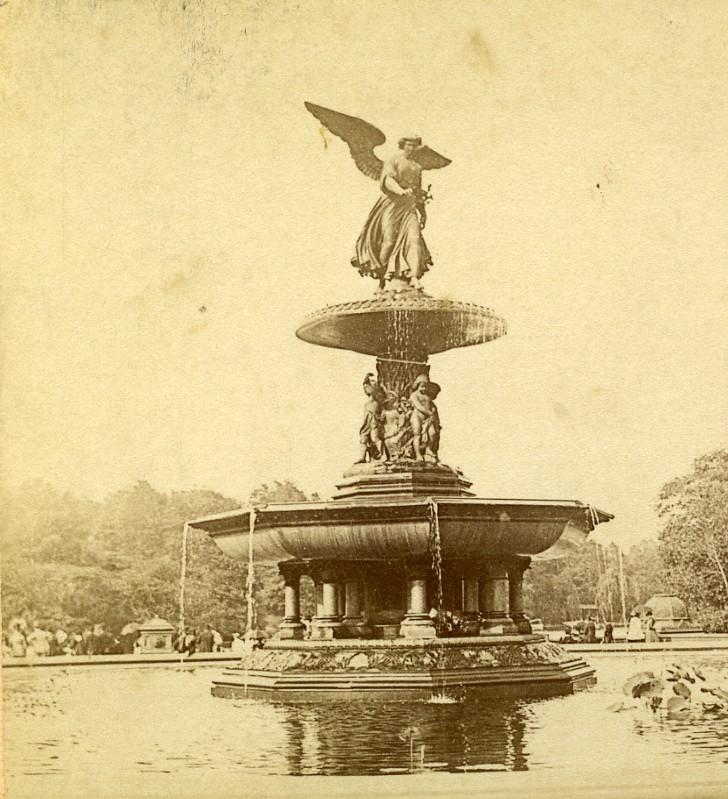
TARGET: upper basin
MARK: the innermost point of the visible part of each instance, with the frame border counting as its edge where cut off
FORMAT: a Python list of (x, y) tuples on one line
[(406, 321), (393, 528)]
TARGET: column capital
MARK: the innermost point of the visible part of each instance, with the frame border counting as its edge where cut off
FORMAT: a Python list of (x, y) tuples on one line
[(417, 568), (292, 570), (518, 565)]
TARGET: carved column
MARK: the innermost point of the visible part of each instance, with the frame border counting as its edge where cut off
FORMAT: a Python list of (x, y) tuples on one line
[(291, 626), (494, 601), (516, 570), (417, 622), (327, 622)]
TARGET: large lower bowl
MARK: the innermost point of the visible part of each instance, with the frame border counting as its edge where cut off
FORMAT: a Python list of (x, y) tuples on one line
[(392, 528)]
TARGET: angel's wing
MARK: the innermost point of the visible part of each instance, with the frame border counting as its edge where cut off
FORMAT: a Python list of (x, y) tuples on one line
[(361, 137), (429, 159)]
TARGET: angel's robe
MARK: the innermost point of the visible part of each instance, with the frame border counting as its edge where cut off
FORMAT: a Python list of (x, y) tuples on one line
[(391, 244)]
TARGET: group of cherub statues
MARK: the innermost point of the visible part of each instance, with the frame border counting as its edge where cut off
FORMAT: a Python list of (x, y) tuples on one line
[(400, 428)]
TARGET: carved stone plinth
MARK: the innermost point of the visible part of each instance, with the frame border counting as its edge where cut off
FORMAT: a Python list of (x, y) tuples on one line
[(527, 666)]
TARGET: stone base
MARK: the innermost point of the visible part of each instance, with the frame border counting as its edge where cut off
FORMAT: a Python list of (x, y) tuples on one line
[(324, 631), (290, 631), (300, 671), (418, 627), (500, 627), (401, 478)]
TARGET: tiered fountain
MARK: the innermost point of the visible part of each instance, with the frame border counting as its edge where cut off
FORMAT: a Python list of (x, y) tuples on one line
[(418, 582)]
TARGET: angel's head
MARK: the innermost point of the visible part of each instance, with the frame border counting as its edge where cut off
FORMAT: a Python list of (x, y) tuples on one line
[(409, 144)]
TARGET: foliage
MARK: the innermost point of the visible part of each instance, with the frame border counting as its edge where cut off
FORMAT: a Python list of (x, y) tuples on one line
[(72, 562), (556, 590), (693, 538)]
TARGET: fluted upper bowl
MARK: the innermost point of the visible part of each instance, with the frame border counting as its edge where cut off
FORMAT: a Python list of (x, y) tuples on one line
[(409, 321)]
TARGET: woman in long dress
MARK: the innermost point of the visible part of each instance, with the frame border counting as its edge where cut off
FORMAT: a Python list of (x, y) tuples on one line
[(651, 635), (634, 629), (391, 243)]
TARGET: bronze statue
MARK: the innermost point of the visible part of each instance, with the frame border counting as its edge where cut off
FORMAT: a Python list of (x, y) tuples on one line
[(371, 432), (390, 245), (424, 419)]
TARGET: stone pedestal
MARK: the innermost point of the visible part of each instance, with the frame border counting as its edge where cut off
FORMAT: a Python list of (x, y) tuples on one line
[(155, 636)]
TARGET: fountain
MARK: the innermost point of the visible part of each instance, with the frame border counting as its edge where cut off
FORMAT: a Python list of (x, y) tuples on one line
[(404, 548)]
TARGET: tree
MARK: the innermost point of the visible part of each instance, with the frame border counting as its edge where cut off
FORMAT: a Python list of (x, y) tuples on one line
[(555, 590), (71, 562), (693, 510)]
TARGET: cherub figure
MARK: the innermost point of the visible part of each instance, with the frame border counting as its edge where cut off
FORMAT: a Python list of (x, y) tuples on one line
[(371, 432), (424, 419), (390, 245)]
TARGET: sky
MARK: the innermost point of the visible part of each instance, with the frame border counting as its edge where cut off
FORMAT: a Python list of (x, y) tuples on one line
[(172, 213)]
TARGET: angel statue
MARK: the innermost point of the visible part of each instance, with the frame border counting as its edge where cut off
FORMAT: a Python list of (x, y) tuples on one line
[(390, 246)]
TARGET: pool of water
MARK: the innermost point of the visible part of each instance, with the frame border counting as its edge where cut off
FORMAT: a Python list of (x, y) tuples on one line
[(88, 729)]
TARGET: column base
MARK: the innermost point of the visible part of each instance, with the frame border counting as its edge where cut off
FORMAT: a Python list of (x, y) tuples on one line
[(291, 630), (324, 629), (470, 624), (357, 628), (523, 624), (417, 627), (498, 626)]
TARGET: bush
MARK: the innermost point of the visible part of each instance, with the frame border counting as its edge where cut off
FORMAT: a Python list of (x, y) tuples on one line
[(712, 620)]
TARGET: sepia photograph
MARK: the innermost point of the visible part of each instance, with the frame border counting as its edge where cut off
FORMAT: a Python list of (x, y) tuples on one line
[(364, 398)]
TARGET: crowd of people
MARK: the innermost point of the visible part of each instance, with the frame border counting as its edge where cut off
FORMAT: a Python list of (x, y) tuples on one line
[(206, 640), (639, 629), (29, 639)]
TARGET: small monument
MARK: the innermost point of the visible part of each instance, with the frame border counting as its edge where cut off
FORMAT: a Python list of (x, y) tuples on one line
[(419, 584), (155, 637)]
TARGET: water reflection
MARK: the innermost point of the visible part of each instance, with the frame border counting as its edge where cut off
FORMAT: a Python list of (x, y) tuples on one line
[(365, 738), (153, 723)]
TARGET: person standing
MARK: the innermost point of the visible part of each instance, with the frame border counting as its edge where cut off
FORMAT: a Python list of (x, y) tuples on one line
[(608, 633), (237, 647), (38, 641), (16, 642), (590, 631), (634, 629), (651, 635)]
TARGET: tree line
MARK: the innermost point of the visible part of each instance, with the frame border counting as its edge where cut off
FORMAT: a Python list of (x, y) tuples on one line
[(70, 562)]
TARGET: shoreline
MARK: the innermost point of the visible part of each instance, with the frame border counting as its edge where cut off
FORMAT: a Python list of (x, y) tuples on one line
[(697, 644)]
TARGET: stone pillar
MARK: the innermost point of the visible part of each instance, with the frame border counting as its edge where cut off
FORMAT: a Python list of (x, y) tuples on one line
[(340, 599), (353, 616), (515, 595), (327, 622), (291, 626), (417, 622), (319, 589), (470, 624), (470, 592), (494, 601)]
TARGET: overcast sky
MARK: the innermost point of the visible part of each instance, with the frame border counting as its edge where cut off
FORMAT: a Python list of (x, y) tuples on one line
[(173, 212)]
